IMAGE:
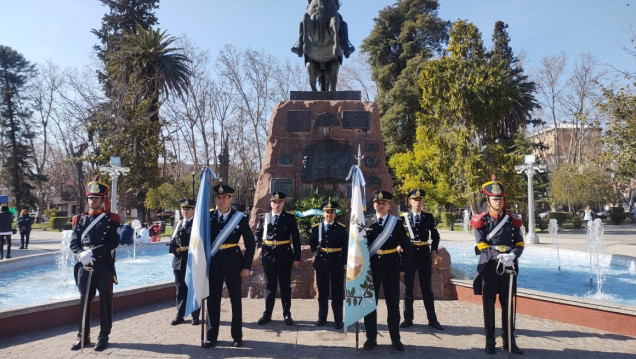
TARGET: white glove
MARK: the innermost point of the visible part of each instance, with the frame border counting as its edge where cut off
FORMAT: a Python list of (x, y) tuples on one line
[(86, 257), (507, 259)]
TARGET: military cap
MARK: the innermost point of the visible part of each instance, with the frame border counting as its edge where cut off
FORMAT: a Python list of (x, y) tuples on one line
[(417, 193), (329, 205), (382, 196), (95, 188), (277, 196), (493, 188), (187, 203), (222, 189)]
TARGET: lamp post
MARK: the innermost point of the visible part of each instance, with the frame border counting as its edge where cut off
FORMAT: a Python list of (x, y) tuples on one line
[(114, 170), (528, 168), (193, 174)]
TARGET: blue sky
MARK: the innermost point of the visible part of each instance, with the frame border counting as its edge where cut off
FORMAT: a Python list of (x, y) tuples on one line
[(60, 30)]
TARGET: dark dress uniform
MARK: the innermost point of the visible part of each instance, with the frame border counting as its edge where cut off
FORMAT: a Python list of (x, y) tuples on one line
[(179, 245), (330, 259), (386, 266), (488, 282), (278, 258), (426, 238), (226, 265), (102, 238)]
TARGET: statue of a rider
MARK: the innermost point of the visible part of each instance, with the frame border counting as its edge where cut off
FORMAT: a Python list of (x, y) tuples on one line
[(345, 45)]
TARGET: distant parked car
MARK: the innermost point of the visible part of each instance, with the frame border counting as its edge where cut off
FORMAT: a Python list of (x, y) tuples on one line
[(544, 214), (602, 214)]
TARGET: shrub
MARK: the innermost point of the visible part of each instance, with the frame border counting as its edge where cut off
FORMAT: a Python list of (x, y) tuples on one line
[(542, 224), (561, 217), (576, 222), (313, 199), (446, 219), (58, 223), (617, 215), (61, 213), (438, 218)]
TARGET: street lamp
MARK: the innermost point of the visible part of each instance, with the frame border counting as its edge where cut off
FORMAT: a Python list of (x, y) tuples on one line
[(528, 168), (114, 170)]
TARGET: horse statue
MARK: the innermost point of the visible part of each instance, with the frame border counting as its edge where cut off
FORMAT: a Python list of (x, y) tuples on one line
[(320, 42)]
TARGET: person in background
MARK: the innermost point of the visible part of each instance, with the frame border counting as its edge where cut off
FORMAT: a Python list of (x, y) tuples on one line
[(143, 237), (6, 219), (126, 234), (24, 225)]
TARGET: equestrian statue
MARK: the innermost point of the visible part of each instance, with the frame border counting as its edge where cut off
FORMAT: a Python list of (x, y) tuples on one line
[(323, 39)]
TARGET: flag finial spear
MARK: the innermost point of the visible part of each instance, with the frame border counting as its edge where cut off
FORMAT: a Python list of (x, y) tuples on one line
[(359, 157)]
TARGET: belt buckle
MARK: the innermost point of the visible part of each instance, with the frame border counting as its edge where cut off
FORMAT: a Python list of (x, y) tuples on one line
[(502, 248)]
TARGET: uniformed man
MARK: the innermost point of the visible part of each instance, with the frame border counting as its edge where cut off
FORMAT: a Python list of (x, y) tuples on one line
[(499, 244), (278, 243), (421, 228), (179, 244), (329, 241), (228, 264), (95, 235), (385, 233)]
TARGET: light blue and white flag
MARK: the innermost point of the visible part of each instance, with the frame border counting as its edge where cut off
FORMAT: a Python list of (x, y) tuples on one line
[(312, 212), (196, 276), (359, 293)]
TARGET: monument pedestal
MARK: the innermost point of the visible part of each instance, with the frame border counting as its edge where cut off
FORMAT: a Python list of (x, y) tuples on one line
[(312, 144)]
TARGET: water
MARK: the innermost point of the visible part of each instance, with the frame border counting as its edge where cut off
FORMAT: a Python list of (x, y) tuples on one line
[(538, 272), (553, 228), (45, 283)]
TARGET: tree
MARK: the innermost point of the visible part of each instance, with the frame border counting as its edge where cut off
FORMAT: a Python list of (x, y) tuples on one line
[(404, 37), (475, 106), (577, 186), (15, 116)]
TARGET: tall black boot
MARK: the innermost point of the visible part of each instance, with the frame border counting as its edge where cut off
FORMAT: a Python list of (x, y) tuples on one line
[(489, 323)]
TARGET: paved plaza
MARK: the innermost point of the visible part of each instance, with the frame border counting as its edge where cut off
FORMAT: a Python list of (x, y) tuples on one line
[(145, 332)]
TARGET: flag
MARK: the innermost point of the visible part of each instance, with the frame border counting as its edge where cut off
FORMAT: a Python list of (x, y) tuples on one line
[(312, 212), (359, 293), (196, 276)]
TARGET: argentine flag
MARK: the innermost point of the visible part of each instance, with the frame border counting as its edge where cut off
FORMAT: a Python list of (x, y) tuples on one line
[(196, 276), (359, 293)]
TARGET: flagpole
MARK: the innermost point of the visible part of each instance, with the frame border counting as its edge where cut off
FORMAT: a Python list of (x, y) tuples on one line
[(359, 158)]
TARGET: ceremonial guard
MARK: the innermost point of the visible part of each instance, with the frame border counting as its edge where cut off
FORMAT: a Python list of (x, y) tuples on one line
[(227, 264), (278, 241), (179, 244), (385, 233), (499, 244), (95, 235), (420, 226), (328, 241)]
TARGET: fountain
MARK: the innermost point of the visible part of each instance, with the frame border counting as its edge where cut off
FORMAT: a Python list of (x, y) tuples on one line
[(466, 220), (553, 228), (136, 225), (596, 250)]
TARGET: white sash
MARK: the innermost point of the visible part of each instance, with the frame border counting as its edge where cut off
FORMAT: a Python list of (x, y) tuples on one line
[(265, 225), (386, 233), (408, 224), (91, 225), (496, 229), (222, 236)]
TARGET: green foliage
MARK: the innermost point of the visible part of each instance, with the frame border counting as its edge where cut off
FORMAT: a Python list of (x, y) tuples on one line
[(620, 138), (58, 223), (577, 222), (617, 215), (542, 224), (61, 213), (314, 199), (561, 217), (49, 213), (15, 136), (446, 219), (470, 125), (404, 36), (577, 186), (168, 194)]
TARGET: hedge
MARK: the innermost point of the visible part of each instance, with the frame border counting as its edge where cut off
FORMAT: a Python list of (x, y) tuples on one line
[(59, 223), (561, 217)]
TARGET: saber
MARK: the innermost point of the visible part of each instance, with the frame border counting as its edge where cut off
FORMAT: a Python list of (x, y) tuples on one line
[(88, 288), (204, 322), (511, 272)]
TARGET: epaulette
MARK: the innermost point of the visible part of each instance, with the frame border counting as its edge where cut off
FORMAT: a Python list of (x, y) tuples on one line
[(75, 219), (114, 217), (315, 225), (478, 220), (515, 219), (342, 224)]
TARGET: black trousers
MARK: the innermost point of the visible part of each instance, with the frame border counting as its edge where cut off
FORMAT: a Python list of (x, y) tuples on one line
[(24, 239), (5, 239), (422, 265), (493, 285), (182, 293), (334, 283), (277, 273), (390, 281), (225, 267), (102, 281)]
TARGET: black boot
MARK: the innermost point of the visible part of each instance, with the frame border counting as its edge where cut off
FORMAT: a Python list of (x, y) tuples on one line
[(513, 348), (489, 323), (77, 345)]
